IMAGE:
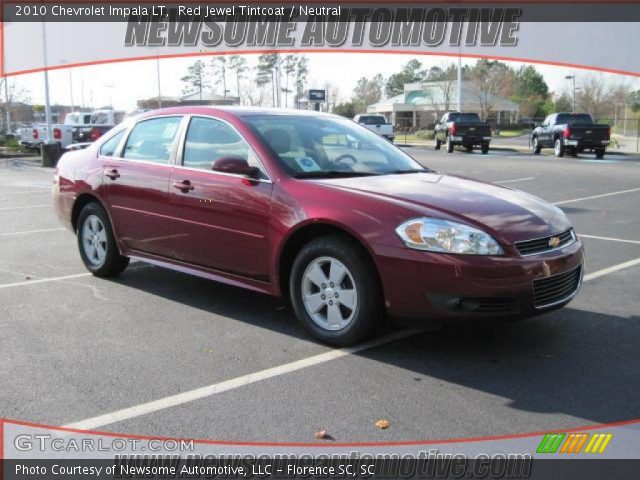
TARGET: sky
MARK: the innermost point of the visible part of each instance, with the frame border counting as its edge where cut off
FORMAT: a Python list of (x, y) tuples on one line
[(122, 84)]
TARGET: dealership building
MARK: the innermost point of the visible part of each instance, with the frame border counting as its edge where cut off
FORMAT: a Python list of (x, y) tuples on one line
[(422, 103)]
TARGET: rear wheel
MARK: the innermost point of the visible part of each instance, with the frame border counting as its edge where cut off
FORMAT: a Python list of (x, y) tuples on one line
[(559, 148), (97, 243), (535, 146), (436, 142), (600, 153), (485, 149), (335, 291), (469, 149), (449, 145)]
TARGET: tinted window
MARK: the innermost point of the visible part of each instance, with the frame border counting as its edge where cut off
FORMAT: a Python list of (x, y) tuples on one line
[(209, 139), (464, 117), (108, 148), (152, 140), (372, 120), (574, 119)]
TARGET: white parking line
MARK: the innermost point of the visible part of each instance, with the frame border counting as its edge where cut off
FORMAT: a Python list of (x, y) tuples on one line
[(614, 268), (582, 235), (27, 232), (234, 383), (36, 192), (516, 180), (44, 280), (225, 386), (4, 209), (596, 196)]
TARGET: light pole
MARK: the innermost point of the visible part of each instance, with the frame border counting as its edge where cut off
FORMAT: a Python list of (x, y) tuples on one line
[(158, 75), (573, 78)]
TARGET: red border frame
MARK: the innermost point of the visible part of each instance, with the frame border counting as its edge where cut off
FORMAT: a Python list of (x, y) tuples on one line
[(325, 444)]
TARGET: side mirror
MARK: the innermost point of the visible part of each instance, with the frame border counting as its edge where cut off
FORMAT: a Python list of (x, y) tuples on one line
[(236, 165)]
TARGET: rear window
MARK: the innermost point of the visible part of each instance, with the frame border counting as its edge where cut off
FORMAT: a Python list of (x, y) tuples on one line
[(372, 120), (574, 119), (464, 117)]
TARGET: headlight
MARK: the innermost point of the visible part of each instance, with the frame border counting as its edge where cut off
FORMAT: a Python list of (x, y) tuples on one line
[(437, 235)]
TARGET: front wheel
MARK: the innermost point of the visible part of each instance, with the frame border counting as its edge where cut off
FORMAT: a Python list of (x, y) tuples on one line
[(335, 292), (535, 146), (97, 243)]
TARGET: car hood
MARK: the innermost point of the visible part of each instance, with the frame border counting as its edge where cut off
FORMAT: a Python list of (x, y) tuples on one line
[(508, 215)]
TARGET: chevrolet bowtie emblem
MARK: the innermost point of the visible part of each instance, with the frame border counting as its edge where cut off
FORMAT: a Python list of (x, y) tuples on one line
[(554, 242)]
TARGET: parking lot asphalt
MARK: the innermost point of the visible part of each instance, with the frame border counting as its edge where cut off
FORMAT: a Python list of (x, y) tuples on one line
[(161, 353)]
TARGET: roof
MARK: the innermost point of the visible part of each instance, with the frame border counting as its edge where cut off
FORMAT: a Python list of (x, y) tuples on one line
[(238, 111), (205, 97)]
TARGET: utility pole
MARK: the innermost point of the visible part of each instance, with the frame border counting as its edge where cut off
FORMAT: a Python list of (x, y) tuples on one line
[(47, 102), (7, 103), (71, 89), (573, 78), (158, 75), (459, 103)]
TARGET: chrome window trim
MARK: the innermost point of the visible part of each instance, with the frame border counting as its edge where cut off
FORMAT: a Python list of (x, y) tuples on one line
[(574, 239), (172, 156), (179, 160)]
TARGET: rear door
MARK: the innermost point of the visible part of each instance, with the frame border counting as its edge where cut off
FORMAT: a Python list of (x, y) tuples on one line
[(221, 220), (137, 184)]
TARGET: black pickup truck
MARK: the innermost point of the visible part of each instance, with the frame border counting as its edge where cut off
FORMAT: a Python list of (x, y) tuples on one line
[(571, 133), (464, 129)]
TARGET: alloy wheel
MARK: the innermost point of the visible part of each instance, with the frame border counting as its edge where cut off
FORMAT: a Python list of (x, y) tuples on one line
[(329, 293), (94, 240)]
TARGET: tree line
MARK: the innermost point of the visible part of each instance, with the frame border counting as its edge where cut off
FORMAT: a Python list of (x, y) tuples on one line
[(491, 80)]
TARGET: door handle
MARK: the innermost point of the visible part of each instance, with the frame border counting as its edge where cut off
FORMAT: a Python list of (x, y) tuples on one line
[(185, 186), (112, 174)]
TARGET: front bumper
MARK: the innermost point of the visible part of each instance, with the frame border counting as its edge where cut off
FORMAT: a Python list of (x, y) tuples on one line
[(428, 285)]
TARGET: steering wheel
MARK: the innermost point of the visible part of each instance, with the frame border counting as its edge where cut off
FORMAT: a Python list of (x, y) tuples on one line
[(344, 158)]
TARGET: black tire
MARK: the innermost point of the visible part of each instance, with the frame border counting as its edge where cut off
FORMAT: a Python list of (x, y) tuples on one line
[(485, 149), (113, 263), (369, 309), (600, 153), (535, 146), (449, 145), (558, 148), (573, 152), (436, 142), (469, 149)]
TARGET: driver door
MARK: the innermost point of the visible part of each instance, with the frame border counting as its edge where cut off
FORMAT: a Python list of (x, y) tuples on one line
[(221, 220)]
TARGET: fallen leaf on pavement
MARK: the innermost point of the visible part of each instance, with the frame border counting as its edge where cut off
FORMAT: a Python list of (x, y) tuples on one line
[(382, 424)]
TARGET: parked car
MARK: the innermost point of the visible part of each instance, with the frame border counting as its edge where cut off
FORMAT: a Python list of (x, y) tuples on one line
[(64, 134), (466, 129), (571, 133), (377, 124), (316, 208), (101, 122)]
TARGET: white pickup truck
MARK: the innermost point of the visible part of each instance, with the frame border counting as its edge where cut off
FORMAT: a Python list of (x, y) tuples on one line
[(64, 134), (377, 124)]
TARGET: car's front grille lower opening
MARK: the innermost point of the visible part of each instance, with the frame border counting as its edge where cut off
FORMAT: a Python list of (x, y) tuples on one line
[(541, 245), (555, 289)]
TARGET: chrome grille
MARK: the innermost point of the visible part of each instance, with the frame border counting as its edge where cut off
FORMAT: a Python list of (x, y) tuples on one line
[(541, 245), (557, 288)]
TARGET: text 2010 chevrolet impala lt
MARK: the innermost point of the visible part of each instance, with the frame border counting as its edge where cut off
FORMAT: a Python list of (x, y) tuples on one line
[(317, 208)]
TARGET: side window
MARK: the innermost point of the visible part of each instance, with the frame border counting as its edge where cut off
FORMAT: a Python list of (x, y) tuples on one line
[(152, 140), (208, 140), (108, 148)]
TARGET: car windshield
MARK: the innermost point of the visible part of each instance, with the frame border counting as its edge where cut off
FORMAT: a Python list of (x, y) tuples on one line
[(464, 117), (574, 119), (327, 146)]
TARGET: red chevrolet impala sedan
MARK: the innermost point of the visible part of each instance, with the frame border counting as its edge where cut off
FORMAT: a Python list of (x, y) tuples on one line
[(316, 208)]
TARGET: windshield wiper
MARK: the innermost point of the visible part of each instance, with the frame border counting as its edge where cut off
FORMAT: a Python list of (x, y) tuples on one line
[(333, 174), (413, 170)]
